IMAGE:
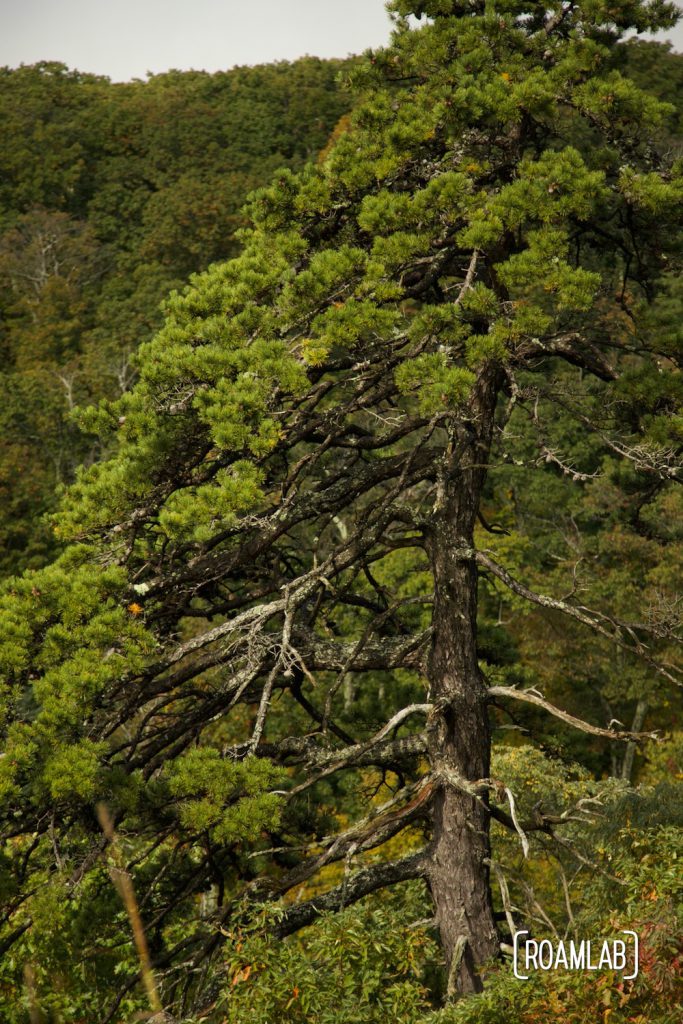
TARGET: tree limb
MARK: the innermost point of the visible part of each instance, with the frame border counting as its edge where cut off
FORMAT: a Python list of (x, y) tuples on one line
[(351, 890), (595, 730)]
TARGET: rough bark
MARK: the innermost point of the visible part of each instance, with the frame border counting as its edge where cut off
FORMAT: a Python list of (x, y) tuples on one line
[(459, 734)]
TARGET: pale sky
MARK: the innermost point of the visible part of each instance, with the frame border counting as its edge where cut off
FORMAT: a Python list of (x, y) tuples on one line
[(127, 38)]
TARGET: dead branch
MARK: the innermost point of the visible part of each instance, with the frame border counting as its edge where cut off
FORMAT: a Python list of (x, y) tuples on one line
[(531, 697), (351, 890), (593, 619)]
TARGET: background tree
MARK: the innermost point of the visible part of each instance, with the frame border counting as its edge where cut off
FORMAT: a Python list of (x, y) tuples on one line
[(111, 195), (267, 609)]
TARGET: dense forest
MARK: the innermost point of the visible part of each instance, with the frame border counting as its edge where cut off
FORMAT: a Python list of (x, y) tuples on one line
[(342, 529), (112, 195)]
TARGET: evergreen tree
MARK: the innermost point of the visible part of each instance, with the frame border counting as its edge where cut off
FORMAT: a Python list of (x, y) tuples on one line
[(269, 592)]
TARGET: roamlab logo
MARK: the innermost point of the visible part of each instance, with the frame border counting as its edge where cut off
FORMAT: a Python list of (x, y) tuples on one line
[(584, 955)]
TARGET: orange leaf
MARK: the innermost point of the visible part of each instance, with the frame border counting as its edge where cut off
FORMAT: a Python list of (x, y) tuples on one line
[(242, 975)]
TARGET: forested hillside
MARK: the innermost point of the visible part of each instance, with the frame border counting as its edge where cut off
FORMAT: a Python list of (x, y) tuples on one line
[(111, 195), (354, 645)]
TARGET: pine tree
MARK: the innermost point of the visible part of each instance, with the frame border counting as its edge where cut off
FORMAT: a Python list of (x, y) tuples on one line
[(271, 586)]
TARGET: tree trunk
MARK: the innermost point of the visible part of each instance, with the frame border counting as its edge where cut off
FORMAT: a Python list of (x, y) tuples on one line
[(630, 753), (459, 737)]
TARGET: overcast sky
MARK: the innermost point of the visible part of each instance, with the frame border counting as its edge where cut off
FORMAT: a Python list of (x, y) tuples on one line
[(127, 38)]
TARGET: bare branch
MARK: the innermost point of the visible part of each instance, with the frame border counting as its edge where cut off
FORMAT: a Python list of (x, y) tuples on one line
[(375, 829), (593, 619), (367, 752), (351, 890), (595, 730), (515, 821)]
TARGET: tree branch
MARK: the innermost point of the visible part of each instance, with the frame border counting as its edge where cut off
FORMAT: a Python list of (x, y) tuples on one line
[(351, 890), (594, 620), (595, 730)]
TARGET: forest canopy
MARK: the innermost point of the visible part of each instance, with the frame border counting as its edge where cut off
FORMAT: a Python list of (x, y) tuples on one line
[(352, 645), (111, 195)]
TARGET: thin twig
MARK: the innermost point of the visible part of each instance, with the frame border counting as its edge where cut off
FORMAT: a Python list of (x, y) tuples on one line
[(124, 885)]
